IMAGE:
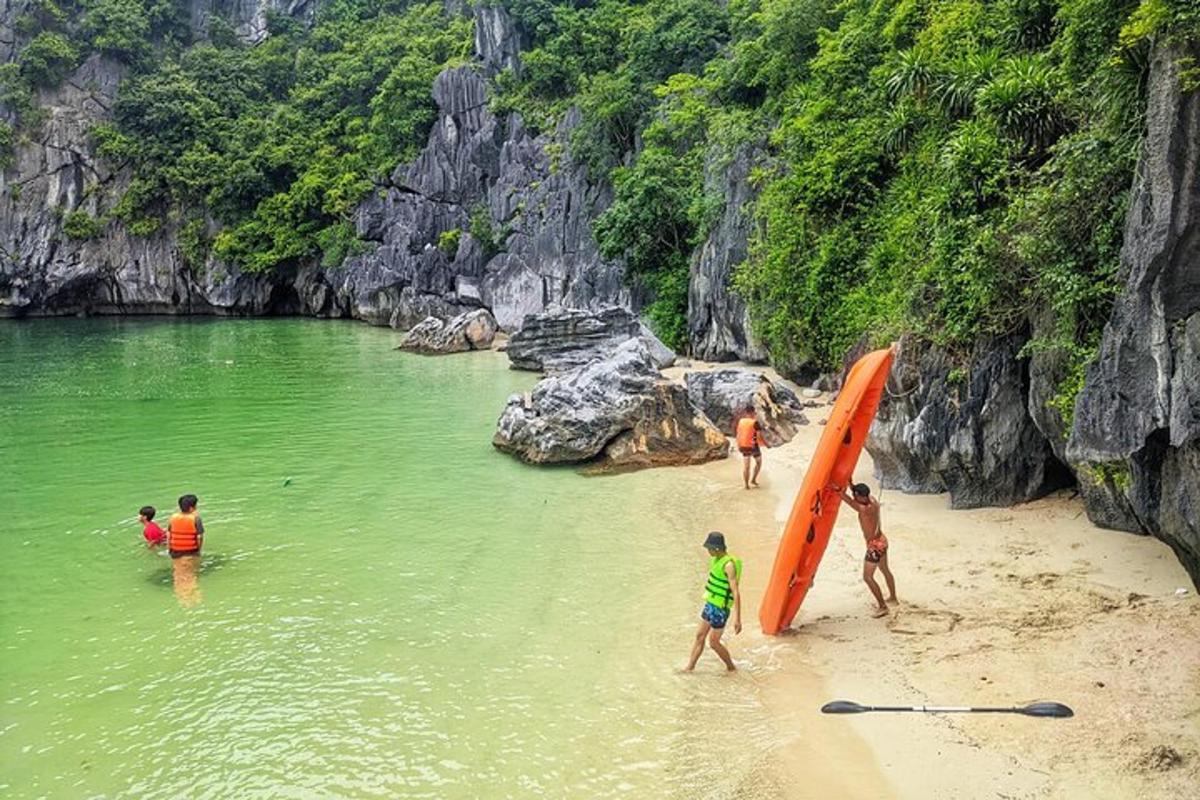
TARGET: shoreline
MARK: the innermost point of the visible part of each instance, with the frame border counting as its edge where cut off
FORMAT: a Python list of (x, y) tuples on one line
[(998, 606)]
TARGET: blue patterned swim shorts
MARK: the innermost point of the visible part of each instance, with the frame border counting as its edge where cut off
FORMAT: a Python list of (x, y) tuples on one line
[(717, 617)]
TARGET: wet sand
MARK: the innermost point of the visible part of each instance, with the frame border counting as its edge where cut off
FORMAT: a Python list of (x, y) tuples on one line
[(999, 606)]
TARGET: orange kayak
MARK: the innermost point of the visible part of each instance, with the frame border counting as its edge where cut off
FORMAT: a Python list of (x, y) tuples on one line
[(811, 521)]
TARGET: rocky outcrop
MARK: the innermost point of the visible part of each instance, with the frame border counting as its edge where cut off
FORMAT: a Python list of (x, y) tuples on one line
[(561, 339), (43, 270), (615, 413), (519, 209), (718, 320), (724, 395), (248, 17), (474, 330), (1137, 420), (497, 41), (943, 427)]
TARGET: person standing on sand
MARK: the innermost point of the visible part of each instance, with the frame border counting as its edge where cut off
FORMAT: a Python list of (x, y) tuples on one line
[(721, 596), (749, 434), (877, 544)]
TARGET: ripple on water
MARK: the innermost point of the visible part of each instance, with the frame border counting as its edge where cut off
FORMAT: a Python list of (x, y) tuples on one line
[(390, 608)]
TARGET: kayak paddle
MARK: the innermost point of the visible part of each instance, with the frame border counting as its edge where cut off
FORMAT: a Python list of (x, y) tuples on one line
[(1032, 710)]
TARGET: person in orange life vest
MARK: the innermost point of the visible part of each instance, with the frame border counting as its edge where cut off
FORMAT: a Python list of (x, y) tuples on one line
[(750, 442), (153, 534), (867, 508), (185, 537)]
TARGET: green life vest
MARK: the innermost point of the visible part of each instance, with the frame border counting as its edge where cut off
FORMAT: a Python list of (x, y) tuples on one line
[(718, 591)]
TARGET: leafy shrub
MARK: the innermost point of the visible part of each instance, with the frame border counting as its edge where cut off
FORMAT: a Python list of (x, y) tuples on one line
[(48, 58), (448, 242), (81, 226), (279, 142), (7, 145), (119, 28)]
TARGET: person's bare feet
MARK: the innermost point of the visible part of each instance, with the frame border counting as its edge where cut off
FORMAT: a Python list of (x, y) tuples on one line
[(754, 483), (881, 611), (730, 668), (893, 601)]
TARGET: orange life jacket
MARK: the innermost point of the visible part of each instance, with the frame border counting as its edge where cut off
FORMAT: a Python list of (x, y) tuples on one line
[(746, 433), (183, 535)]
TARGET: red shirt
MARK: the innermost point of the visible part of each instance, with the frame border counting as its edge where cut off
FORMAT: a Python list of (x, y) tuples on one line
[(153, 533)]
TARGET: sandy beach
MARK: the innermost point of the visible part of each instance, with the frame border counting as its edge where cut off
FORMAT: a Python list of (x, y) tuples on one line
[(998, 606)]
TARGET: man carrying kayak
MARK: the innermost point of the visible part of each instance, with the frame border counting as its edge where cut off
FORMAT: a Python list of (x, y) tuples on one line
[(867, 508), (721, 597)]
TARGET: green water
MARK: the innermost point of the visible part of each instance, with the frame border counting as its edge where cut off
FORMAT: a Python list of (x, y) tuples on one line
[(412, 615)]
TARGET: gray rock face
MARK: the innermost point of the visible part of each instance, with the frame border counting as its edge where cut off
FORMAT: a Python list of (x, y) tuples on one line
[(971, 437), (723, 395), (248, 17), (534, 204), (9, 11), (497, 43), (478, 173), (1138, 416), (560, 339), (44, 271), (473, 330), (544, 202), (718, 320), (615, 412)]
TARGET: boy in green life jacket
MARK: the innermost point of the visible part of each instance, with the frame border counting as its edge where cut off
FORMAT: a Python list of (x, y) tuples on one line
[(721, 596)]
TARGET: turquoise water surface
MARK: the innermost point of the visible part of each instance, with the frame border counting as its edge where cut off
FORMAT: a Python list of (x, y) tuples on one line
[(390, 608)]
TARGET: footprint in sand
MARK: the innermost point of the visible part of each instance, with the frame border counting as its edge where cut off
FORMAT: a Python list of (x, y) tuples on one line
[(917, 621)]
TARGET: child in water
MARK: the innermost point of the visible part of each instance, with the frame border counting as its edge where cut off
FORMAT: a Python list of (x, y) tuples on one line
[(153, 534)]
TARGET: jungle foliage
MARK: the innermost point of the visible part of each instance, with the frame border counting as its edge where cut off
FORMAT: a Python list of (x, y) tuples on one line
[(955, 168), (259, 152)]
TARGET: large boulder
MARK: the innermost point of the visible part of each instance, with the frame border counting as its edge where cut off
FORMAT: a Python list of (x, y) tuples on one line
[(614, 412), (473, 330), (561, 339), (962, 429), (1136, 428), (724, 394)]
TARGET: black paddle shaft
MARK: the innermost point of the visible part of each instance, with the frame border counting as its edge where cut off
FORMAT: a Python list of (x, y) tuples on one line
[(1045, 709)]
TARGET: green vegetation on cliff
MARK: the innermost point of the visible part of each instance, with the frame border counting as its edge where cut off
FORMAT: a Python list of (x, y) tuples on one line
[(270, 146), (957, 168)]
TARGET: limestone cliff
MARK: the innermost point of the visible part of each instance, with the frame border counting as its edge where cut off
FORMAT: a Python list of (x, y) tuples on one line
[(989, 437), (1136, 431), (479, 176)]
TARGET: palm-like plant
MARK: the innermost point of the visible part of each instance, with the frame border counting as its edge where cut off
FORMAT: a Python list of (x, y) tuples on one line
[(913, 76), (898, 131), (1023, 100), (958, 88), (1031, 23), (975, 155)]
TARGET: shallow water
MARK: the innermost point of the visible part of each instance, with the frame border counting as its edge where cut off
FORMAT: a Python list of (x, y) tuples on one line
[(390, 608)]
